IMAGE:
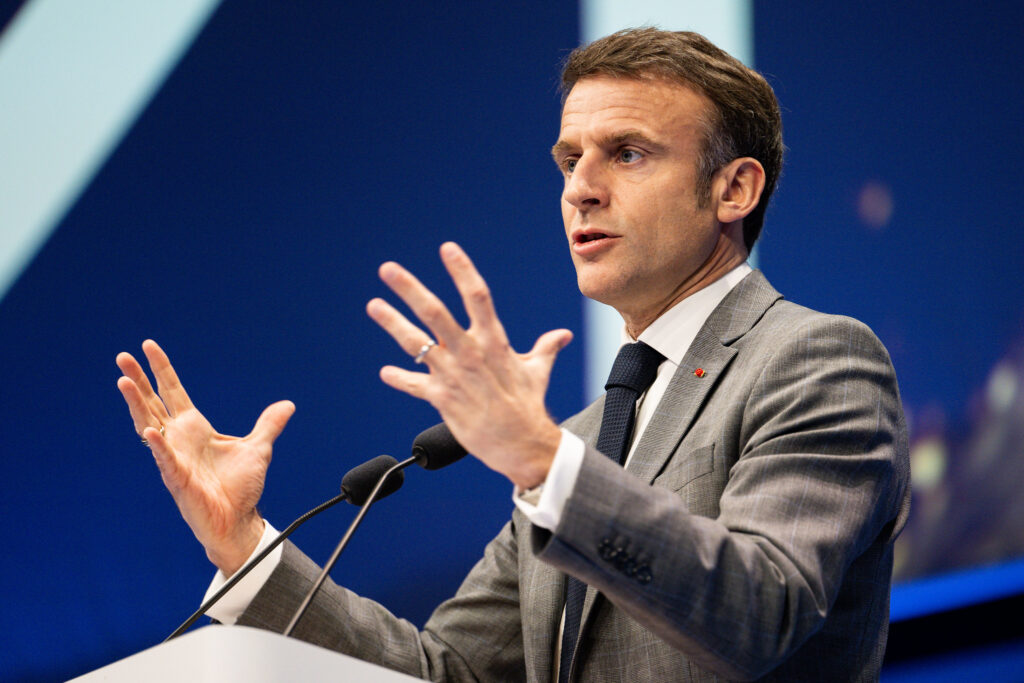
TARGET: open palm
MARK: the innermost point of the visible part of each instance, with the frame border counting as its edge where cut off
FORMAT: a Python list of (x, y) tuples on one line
[(215, 480)]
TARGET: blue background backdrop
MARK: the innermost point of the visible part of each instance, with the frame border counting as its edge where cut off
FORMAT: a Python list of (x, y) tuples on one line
[(298, 145)]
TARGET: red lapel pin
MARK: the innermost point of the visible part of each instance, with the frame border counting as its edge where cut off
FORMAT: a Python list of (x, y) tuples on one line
[(699, 372)]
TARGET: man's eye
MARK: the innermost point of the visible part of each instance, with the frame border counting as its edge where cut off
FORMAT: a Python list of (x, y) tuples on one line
[(629, 156), (570, 165)]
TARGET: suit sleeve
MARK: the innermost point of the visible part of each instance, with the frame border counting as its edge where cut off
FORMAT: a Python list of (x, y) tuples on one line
[(818, 477), (474, 636)]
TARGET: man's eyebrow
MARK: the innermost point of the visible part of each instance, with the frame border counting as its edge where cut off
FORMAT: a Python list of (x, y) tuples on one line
[(631, 136), (560, 149), (625, 137)]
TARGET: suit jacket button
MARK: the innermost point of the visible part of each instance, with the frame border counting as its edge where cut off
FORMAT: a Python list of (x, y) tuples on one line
[(622, 558), (643, 574)]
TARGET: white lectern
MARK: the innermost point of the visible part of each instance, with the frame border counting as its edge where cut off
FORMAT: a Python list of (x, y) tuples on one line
[(237, 653)]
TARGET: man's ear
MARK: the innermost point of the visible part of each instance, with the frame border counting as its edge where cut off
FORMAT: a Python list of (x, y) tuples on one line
[(737, 186)]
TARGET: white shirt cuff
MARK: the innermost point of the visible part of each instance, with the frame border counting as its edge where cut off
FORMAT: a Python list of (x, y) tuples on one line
[(231, 606), (543, 505)]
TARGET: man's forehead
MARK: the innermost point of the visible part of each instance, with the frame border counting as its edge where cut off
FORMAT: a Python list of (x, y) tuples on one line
[(650, 101)]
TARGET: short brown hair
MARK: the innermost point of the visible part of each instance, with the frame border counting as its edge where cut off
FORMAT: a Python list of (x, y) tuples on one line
[(746, 119)]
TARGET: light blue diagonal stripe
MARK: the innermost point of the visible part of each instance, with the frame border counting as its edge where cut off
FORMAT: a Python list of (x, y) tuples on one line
[(74, 76), (726, 23)]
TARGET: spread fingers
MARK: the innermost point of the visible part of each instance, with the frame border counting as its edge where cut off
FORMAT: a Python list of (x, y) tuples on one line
[(168, 385), (476, 296), (142, 416), (423, 303), (142, 388), (408, 336)]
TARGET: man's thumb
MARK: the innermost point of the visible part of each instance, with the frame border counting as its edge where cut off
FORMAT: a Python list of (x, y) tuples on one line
[(272, 421), (550, 343)]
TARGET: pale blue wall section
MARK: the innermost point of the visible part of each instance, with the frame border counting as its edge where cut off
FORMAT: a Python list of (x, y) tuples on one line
[(74, 75), (728, 24)]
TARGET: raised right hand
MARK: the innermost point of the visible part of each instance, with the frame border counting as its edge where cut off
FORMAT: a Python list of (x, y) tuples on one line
[(216, 480)]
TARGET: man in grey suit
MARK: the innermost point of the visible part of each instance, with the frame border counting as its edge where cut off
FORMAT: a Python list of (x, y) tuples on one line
[(750, 533)]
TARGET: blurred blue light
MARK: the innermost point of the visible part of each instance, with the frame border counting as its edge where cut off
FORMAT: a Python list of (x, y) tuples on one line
[(959, 589)]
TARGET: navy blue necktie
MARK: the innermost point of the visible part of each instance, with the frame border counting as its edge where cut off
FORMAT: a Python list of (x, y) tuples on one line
[(634, 369)]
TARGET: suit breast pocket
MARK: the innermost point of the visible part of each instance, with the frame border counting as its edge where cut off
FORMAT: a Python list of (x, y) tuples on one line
[(688, 474), (686, 466)]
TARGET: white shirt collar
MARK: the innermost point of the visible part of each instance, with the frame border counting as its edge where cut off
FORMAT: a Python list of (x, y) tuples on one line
[(673, 332)]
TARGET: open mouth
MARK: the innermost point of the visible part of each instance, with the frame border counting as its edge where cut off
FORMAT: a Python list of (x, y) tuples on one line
[(580, 239)]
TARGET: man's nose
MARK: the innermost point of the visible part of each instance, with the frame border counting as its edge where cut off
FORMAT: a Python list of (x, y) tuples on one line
[(586, 187)]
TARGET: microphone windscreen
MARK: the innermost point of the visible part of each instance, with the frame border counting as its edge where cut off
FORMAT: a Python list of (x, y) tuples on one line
[(435, 448), (358, 483)]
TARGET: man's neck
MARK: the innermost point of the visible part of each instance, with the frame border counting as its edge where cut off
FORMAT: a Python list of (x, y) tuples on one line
[(718, 264), (672, 333)]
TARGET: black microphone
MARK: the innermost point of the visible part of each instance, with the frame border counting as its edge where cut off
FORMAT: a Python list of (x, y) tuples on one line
[(359, 481), (432, 449), (435, 448), (356, 487)]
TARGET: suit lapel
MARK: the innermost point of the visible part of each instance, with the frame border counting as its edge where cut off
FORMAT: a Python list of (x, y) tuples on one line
[(702, 368), (683, 398), (711, 353)]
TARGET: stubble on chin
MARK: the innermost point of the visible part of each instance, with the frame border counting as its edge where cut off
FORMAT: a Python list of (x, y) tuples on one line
[(602, 287)]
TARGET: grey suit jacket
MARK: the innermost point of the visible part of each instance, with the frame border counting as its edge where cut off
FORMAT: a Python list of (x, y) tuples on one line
[(750, 537)]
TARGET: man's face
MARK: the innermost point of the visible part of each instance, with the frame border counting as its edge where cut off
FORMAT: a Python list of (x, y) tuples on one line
[(628, 150)]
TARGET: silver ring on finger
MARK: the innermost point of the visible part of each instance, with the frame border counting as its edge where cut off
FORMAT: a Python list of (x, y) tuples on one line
[(424, 350), (145, 442)]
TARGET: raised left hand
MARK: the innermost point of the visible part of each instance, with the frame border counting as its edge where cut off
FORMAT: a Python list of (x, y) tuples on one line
[(215, 479), (490, 396)]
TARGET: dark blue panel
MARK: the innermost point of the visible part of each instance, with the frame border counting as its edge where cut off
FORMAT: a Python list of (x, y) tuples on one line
[(916, 107), (296, 147)]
